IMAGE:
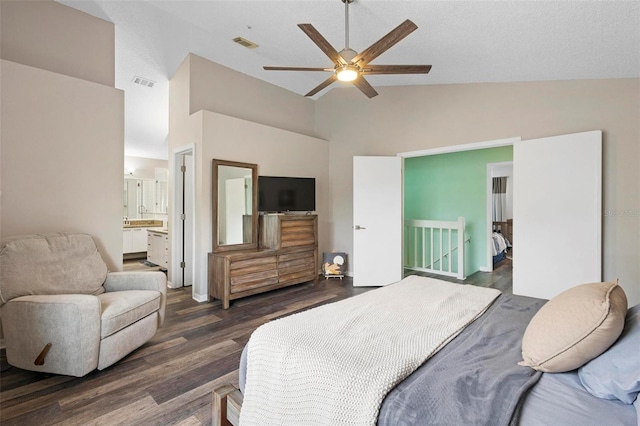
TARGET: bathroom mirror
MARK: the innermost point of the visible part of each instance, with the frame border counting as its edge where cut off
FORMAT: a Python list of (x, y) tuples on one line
[(235, 205), (144, 198), (138, 198)]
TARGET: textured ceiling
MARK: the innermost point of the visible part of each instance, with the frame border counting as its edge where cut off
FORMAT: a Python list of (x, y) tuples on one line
[(465, 41)]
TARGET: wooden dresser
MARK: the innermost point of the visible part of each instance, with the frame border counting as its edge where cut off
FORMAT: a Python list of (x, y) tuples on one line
[(287, 255)]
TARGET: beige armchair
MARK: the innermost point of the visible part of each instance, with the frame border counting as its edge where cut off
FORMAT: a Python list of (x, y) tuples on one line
[(62, 312)]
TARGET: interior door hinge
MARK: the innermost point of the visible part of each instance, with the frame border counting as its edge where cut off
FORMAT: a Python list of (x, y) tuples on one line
[(182, 216), (183, 265), (183, 168)]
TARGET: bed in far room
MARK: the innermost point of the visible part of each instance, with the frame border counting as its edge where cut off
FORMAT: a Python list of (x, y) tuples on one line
[(423, 351), (502, 236)]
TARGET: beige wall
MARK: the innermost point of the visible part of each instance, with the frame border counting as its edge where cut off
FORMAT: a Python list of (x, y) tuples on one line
[(229, 92), (412, 118), (62, 150), (54, 37), (143, 168), (62, 130), (218, 134)]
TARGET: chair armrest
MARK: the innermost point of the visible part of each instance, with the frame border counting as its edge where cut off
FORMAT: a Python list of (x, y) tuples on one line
[(70, 322), (123, 281)]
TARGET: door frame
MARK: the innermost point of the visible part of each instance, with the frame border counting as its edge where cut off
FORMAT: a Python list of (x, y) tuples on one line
[(468, 147), (490, 169), (175, 236)]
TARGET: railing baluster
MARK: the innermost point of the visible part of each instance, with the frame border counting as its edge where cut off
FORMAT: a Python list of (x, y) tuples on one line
[(423, 261), (431, 265), (415, 246), (450, 251), (461, 250), (440, 235)]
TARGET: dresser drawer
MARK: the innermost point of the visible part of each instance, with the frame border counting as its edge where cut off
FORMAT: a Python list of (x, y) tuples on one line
[(297, 233), (287, 231), (298, 266), (252, 281), (247, 266)]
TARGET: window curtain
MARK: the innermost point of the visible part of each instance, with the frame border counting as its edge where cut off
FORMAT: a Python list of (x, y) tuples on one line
[(499, 199)]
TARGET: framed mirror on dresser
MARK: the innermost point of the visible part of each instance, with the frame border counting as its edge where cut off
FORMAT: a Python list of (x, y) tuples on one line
[(235, 206), (241, 263)]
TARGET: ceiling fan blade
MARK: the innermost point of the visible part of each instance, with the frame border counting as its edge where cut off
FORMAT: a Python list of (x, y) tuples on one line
[(396, 69), (322, 43), (365, 87), (296, 69), (381, 46), (322, 85)]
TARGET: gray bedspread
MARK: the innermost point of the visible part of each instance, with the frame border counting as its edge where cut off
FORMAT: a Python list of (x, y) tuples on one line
[(475, 379)]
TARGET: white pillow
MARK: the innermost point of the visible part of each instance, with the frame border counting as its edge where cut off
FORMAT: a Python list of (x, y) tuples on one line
[(574, 327)]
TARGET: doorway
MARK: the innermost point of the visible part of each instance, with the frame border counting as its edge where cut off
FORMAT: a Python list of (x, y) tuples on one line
[(183, 218), (502, 221), (558, 205)]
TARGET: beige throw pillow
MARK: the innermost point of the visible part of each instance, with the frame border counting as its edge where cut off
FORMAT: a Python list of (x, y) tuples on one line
[(574, 327)]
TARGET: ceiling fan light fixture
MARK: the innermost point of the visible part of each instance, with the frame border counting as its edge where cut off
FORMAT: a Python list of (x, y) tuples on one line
[(351, 66), (347, 73)]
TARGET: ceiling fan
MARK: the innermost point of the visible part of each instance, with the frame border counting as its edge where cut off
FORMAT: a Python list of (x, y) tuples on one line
[(353, 66)]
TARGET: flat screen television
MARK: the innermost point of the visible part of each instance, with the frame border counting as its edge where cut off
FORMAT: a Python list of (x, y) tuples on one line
[(282, 194)]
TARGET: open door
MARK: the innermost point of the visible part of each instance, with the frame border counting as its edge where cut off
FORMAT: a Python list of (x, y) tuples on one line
[(377, 220), (182, 222), (557, 206)]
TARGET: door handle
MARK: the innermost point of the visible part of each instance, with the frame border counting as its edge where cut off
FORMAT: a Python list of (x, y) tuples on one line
[(358, 227)]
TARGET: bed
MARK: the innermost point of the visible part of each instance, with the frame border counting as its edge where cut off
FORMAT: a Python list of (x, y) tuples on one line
[(502, 236), (500, 247), (473, 376)]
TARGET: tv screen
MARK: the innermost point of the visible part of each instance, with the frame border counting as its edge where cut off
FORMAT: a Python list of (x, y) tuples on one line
[(281, 194)]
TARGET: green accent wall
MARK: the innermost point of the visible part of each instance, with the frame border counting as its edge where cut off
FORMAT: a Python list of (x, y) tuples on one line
[(446, 186)]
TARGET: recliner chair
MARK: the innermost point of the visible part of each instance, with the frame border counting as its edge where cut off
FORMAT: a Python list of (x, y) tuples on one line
[(62, 312)]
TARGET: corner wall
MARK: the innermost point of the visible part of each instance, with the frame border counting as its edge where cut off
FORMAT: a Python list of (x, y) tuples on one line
[(223, 90), (273, 142), (51, 36), (62, 135), (62, 151)]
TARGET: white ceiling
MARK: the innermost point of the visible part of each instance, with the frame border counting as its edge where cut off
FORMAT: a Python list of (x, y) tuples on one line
[(465, 41)]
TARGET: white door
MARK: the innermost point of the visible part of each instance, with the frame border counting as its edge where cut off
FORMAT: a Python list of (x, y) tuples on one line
[(377, 220), (557, 212), (182, 270), (189, 218)]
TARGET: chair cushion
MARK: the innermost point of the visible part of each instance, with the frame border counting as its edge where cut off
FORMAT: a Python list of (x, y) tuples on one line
[(122, 308), (50, 264)]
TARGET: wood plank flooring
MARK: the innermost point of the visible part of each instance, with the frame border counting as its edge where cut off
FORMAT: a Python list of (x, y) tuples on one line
[(169, 380)]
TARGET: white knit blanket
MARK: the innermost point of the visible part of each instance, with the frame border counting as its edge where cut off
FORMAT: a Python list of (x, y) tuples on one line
[(334, 364)]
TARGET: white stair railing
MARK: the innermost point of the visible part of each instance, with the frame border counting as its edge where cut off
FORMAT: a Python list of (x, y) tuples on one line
[(429, 247)]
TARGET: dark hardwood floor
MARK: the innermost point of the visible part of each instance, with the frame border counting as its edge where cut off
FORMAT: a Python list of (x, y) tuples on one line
[(169, 380)]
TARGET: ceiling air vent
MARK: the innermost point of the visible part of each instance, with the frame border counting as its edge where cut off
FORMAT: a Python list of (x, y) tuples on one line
[(143, 81), (246, 43)]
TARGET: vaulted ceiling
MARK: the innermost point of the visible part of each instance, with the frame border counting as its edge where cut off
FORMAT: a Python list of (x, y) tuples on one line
[(465, 41)]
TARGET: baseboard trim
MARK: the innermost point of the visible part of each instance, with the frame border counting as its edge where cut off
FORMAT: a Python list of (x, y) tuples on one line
[(485, 269), (200, 297)]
